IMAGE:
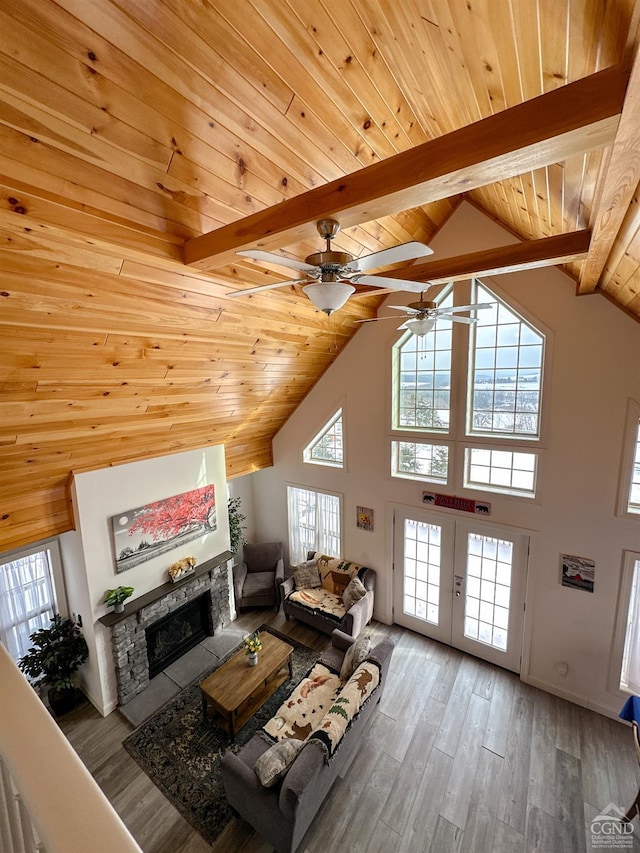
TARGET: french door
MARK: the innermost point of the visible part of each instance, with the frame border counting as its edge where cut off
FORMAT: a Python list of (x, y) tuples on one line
[(461, 581)]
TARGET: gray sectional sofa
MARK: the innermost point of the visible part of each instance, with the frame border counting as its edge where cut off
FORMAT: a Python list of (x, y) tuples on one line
[(282, 813)]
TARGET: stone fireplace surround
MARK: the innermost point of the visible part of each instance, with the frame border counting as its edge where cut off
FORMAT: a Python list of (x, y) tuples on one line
[(128, 629)]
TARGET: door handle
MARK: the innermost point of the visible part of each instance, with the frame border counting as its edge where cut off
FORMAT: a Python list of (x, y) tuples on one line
[(458, 584)]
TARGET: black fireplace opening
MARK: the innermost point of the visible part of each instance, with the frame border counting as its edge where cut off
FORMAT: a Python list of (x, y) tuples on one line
[(172, 636)]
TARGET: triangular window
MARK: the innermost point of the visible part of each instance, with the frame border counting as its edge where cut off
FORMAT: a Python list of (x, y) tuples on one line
[(327, 447)]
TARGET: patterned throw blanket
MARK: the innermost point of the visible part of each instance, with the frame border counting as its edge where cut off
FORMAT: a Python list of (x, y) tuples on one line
[(334, 576), (299, 715), (321, 708), (320, 599)]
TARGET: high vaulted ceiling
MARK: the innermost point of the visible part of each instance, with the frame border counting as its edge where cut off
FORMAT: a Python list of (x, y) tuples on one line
[(130, 128)]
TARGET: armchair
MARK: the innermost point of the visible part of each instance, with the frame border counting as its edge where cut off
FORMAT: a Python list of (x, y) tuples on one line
[(257, 579)]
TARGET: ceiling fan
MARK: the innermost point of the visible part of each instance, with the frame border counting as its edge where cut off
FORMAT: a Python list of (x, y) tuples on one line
[(423, 315), (329, 273)]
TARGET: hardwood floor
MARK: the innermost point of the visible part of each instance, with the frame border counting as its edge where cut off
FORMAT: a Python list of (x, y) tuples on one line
[(461, 757)]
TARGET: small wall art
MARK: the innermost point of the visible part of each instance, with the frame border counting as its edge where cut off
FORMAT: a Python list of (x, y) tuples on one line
[(578, 572), (148, 531), (364, 518)]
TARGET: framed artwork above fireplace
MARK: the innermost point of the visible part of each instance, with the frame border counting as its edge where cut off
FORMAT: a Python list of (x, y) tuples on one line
[(148, 531)]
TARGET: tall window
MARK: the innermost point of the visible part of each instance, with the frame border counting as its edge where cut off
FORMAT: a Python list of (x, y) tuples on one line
[(633, 504), (314, 523), (463, 394), (327, 447), (628, 500), (422, 398), (27, 597), (505, 372), (630, 669)]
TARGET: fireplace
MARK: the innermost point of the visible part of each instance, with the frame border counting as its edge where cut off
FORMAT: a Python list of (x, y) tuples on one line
[(160, 626), (172, 636)]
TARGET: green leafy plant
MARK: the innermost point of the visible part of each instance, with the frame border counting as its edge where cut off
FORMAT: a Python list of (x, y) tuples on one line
[(56, 654), (118, 595), (236, 530)]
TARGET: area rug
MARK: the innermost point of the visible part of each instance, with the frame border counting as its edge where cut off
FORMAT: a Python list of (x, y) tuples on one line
[(181, 752)]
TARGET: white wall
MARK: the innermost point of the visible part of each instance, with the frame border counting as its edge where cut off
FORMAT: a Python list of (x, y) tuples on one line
[(88, 552), (595, 352), (242, 487)]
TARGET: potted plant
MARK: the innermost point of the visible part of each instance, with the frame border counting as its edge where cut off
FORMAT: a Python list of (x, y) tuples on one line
[(252, 645), (117, 597), (53, 660), (236, 530)]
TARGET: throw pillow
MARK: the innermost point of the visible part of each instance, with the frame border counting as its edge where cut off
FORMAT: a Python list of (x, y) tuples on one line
[(306, 575), (274, 763), (354, 592), (354, 656), (325, 567), (340, 582)]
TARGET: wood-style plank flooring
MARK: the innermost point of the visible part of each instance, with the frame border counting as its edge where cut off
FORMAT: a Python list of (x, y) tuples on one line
[(461, 757)]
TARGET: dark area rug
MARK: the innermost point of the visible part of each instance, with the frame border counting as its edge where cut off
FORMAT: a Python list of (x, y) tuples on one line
[(181, 752)]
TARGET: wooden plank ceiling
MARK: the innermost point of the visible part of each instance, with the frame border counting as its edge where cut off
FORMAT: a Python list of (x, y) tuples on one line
[(129, 128)]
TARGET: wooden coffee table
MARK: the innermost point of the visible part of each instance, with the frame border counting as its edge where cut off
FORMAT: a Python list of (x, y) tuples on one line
[(235, 690)]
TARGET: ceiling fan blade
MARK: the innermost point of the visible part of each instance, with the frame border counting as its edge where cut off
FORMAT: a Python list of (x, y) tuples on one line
[(449, 318), (463, 308), (468, 320), (391, 283), (403, 252), (249, 290), (272, 258), (404, 308)]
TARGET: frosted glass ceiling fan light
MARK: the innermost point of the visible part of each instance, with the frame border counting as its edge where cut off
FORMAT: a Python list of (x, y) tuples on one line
[(328, 296), (421, 325)]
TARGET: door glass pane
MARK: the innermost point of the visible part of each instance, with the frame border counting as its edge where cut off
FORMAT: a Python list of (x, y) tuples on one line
[(488, 589), (421, 570)]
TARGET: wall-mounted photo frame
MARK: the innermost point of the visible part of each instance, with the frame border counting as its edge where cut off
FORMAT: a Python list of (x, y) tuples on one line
[(145, 532), (364, 518), (577, 572)]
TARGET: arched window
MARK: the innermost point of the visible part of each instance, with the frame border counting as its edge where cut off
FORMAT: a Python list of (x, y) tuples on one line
[(505, 371), (464, 393)]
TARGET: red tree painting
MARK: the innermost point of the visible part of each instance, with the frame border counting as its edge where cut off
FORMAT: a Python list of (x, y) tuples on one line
[(142, 533), (170, 517)]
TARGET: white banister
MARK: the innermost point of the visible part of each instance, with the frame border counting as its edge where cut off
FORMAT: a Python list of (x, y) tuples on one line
[(6, 795), (16, 833), (45, 784), (29, 835)]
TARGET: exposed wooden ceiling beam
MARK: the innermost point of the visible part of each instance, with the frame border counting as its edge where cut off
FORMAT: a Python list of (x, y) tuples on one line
[(617, 185), (572, 119), (516, 257)]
